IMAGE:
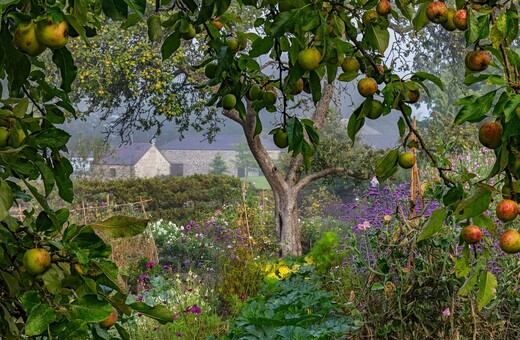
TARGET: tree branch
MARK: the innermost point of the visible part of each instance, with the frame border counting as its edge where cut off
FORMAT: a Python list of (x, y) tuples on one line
[(326, 172)]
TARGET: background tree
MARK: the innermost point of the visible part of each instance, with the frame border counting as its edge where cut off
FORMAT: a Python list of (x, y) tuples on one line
[(244, 159), (218, 166)]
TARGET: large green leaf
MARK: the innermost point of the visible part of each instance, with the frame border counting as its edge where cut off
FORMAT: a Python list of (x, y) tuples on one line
[(39, 318), (433, 225), (89, 308), (387, 165), (121, 226), (377, 37), (170, 45), (421, 20), (475, 205), (63, 59), (51, 138), (468, 285), (52, 278), (115, 9), (475, 110), (486, 289), (154, 27), (159, 312), (6, 199)]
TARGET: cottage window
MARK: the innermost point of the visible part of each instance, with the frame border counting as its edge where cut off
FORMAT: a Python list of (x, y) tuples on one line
[(241, 172), (177, 169)]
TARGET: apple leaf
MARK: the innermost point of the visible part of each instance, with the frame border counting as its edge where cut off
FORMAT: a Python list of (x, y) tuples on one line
[(121, 226), (475, 204), (510, 107), (420, 76), (63, 59), (170, 45), (52, 279), (377, 37), (154, 27), (6, 199), (476, 110), (461, 268), (89, 308), (355, 123), (485, 221), (261, 46), (486, 289), (420, 20), (73, 330), (39, 318), (387, 165), (158, 312), (467, 287), (433, 225)]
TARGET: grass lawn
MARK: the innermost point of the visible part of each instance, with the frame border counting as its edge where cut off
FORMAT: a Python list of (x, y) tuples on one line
[(259, 181)]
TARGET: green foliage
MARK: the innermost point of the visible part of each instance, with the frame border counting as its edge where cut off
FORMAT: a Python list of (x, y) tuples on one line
[(178, 199), (176, 294), (218, 166), (324, 253), (294, 309)]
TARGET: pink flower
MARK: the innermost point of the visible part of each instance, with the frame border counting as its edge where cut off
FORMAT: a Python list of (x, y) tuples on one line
[(175, 316), (446, 312), (364, 225), (139, 298), (217, 212), (144, 277), (243, 297), (151, 264)]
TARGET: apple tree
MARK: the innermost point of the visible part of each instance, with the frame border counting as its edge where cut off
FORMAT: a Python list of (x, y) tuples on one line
[(312, 45), (68, 288), (56, 278)]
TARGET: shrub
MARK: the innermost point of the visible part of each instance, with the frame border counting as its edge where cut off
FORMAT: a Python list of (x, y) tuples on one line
[(178, 199)]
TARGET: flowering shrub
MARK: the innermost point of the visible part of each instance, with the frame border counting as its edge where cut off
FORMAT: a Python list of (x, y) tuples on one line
[(188, 298), (391, 277)]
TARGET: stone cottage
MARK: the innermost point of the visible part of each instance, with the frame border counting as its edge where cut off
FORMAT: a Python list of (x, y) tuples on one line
[(142, 160), (189, 156), (193, 155)]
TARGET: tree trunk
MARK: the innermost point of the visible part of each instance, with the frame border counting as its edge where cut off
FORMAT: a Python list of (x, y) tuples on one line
[(286, 222), (286, 188)]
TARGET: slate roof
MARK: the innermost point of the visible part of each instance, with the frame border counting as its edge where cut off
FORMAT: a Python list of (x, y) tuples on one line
[(127, 154), (221, 142)]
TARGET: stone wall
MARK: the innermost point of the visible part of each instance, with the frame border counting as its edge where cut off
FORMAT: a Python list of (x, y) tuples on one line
[(152, 164), (198, 161), (112, 171)]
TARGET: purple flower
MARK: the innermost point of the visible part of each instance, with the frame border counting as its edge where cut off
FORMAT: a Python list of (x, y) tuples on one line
[(179, 334), (139, 298), (144, 277), (188, 227), (186, 262), (233, 256), (195, 309), (151, 264), (175, 316)]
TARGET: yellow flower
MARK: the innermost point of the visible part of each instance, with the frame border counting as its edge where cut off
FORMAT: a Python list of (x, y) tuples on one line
[(284, 271), (273, 276), (308, 260)]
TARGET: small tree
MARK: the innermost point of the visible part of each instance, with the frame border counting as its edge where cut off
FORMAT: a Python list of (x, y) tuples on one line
[(218, 166), (244, 158)]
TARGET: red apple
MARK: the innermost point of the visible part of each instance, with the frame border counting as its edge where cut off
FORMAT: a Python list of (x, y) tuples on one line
[(471, 234)]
